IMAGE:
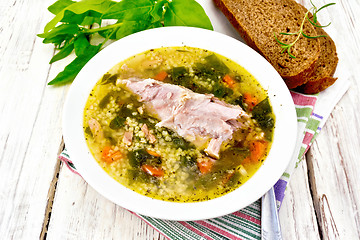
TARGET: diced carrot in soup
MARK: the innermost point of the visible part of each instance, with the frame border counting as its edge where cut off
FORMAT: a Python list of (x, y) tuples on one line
[(229, 80), (109, 155), (257, 150), (161, 76), (153, 153), (205, 164), (250, 100)]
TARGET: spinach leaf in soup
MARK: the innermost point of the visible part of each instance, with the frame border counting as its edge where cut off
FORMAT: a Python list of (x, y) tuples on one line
[(109, 136), (262, 108), (188, 161), (221, 91), (142, 177), (88, 131), (140, 156), (239, 101), (215, 63), (213, 68), (180, 76), (137, 157), (117, 122), (180, 142), (125, 111), (213, 71), (205, 71), (262, 113), (105, 100), (120, 119), (108, 78)]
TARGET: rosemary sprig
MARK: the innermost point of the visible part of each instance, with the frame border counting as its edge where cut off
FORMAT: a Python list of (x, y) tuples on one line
[(314, 10)]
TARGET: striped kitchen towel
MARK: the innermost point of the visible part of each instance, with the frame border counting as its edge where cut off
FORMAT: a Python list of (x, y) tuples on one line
[(312, 112)]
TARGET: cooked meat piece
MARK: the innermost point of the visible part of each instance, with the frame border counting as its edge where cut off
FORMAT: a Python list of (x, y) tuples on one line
[(199, 118), (148, 135), (127, 139), (96, 130), (145, 130), (151, 138)]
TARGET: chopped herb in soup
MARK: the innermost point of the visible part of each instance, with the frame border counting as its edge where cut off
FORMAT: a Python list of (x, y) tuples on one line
[(179, 124)]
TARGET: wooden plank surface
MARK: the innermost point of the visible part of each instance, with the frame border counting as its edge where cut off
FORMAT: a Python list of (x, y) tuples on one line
[(334, 172), (334, 178), (79, 212), (297, 215), (40, 198), (30, 131)]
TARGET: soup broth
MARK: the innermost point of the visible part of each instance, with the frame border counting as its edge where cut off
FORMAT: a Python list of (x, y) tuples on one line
[(129, 141)]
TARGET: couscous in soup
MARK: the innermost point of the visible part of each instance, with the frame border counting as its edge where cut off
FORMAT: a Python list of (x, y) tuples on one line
[(179, 124)]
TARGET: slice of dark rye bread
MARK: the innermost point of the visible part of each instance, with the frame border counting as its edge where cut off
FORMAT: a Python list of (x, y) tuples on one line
[(257, 21), (322, 77)]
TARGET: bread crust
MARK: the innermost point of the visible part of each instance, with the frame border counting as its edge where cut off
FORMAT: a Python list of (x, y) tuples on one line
[(322, 77), (314, 76), (294, 74), (317, 86)]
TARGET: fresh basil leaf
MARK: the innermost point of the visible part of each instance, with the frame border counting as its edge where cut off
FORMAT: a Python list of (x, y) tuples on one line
[(127, 28), (63, 29), (111, 33), (59, 5), (130, 10), (64, 52), (156, 25), (100, 6), (130, 27), (90, 20), (58, 40), (186, 13), (81, 44), (71, 70), (73, 18), (132, 16), (157, 12), (60, 35)]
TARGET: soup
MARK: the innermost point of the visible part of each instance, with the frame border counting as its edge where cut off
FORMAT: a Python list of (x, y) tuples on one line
[(179, 124)]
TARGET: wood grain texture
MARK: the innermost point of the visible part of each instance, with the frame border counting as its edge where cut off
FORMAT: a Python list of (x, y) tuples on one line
[(297, 215), (30, 130), (79, 212), (333, 169), (335, 176)]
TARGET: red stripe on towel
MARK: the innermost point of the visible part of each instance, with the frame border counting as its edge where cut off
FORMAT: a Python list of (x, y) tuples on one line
[(66, 161), (247, 217), (303, 100), (218, 230), (188, 226), (307, 138)]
